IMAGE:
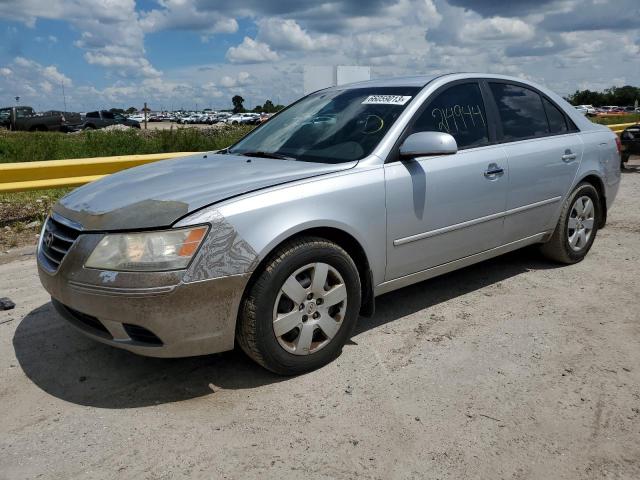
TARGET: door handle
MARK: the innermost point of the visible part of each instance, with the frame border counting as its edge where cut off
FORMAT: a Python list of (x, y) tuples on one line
[(493, 171), (568, 156)]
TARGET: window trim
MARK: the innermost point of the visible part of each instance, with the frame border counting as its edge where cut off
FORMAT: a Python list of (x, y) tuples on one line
[(394, 155), (572, 128)]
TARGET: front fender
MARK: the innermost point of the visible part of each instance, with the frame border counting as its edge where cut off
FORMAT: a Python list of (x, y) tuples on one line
[(352, 201)]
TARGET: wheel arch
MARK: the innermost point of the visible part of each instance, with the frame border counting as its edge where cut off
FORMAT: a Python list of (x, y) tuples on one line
[(343, 239)]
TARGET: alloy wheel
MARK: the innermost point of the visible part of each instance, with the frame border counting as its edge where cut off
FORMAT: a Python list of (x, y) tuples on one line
[(580, 223), (309, 308)]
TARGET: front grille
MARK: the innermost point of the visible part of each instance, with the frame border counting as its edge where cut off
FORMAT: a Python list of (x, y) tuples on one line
[(58, 236), (141, 334)]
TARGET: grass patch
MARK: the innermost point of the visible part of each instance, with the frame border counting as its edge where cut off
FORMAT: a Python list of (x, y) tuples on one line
[(22, 214), (32, 146), (614, 120)]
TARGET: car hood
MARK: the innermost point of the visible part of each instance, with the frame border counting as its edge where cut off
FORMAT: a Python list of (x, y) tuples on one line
[(157, 194)]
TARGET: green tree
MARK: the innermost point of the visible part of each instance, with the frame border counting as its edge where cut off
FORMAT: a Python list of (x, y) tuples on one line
[(621, 96), (238, 106), (268, 107), (132, 110)]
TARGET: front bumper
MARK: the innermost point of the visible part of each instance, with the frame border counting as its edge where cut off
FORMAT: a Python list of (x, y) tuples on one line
[(149, 313)]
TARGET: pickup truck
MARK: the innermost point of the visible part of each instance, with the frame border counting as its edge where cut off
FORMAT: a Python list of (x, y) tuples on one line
[(105, 118), (26, 119)]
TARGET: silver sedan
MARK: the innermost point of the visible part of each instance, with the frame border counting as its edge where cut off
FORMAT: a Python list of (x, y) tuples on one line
[(282, 240)]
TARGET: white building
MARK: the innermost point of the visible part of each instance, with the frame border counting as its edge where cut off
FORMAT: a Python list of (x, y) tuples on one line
[(323, 76)]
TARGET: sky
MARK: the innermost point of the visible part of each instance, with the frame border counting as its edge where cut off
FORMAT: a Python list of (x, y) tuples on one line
[(199, 53)]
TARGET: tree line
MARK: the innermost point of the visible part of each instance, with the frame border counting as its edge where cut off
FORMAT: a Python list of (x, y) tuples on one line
[(268, 107), (620, 96)]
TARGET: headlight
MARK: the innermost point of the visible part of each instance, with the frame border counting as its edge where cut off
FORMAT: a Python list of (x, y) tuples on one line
[(147, 251)]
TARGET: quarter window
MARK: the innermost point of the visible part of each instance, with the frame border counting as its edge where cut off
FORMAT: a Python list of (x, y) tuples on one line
[(521, 112), (459, 111), (557, 120)]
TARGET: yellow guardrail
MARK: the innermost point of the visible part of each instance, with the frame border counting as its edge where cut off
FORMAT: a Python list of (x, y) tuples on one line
[(23, 176), (621, 126)]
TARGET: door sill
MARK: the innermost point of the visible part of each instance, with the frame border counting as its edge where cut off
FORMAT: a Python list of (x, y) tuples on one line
[(428, 273)]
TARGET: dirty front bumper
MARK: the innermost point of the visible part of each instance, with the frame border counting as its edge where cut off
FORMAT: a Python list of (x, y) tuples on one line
[(149, 313)]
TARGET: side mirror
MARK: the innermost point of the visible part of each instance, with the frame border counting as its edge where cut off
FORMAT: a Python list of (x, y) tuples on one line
[(422, 144)]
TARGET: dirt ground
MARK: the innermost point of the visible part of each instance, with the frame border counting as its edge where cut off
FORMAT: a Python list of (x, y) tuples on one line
[(515, 368)]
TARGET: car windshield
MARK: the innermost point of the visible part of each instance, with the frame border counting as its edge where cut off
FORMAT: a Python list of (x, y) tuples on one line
[(330, 126)]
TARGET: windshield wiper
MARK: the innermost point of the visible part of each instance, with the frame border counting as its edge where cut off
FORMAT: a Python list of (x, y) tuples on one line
[(262, 154)]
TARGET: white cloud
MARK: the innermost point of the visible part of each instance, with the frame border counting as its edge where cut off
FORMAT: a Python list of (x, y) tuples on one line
[(531, 38), (111, 34), (496, 28), (251, 51), (243, 78), (34, 82), (185, 15), (286, 34)]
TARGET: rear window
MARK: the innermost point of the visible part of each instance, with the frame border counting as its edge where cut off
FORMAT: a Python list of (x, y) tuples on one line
[(557, 120), (521, 111)]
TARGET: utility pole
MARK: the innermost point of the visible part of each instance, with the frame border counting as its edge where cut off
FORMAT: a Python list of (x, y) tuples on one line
[(64, 97)]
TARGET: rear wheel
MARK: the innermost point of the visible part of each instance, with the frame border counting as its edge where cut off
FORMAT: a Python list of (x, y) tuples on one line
[(302, 307), (577, 226)]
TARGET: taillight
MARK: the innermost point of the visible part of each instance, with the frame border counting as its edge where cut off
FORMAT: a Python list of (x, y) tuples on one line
[(618, 144)]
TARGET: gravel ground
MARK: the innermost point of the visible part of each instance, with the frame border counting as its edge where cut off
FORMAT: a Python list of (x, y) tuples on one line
[(514, 368)]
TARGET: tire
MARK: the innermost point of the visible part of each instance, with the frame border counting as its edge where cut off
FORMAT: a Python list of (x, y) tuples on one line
[(302, 344), (624, 158), (567, 245)]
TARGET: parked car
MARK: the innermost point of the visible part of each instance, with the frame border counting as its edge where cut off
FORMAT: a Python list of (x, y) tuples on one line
[(588, 109), (582, 109), (25, 118), (242, 118), (630, 139), (138, 117), (282, 240), (105, 118)]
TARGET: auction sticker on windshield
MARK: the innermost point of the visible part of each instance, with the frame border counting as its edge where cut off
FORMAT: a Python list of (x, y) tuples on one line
[(386, 100)]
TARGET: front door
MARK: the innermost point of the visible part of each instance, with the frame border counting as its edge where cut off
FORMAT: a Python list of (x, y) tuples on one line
[(443, 208)]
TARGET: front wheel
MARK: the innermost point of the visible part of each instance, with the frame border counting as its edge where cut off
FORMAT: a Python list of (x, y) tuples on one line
[(577, 226), (301, 308)]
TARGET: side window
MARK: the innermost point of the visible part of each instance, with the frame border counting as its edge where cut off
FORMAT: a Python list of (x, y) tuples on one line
[(23, 112), (459, 111), (557, 120), (108, 115), (521, 111), (93, 115)]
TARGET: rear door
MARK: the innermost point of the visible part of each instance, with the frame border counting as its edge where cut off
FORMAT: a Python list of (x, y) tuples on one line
[(443, 208), (544, 151)]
